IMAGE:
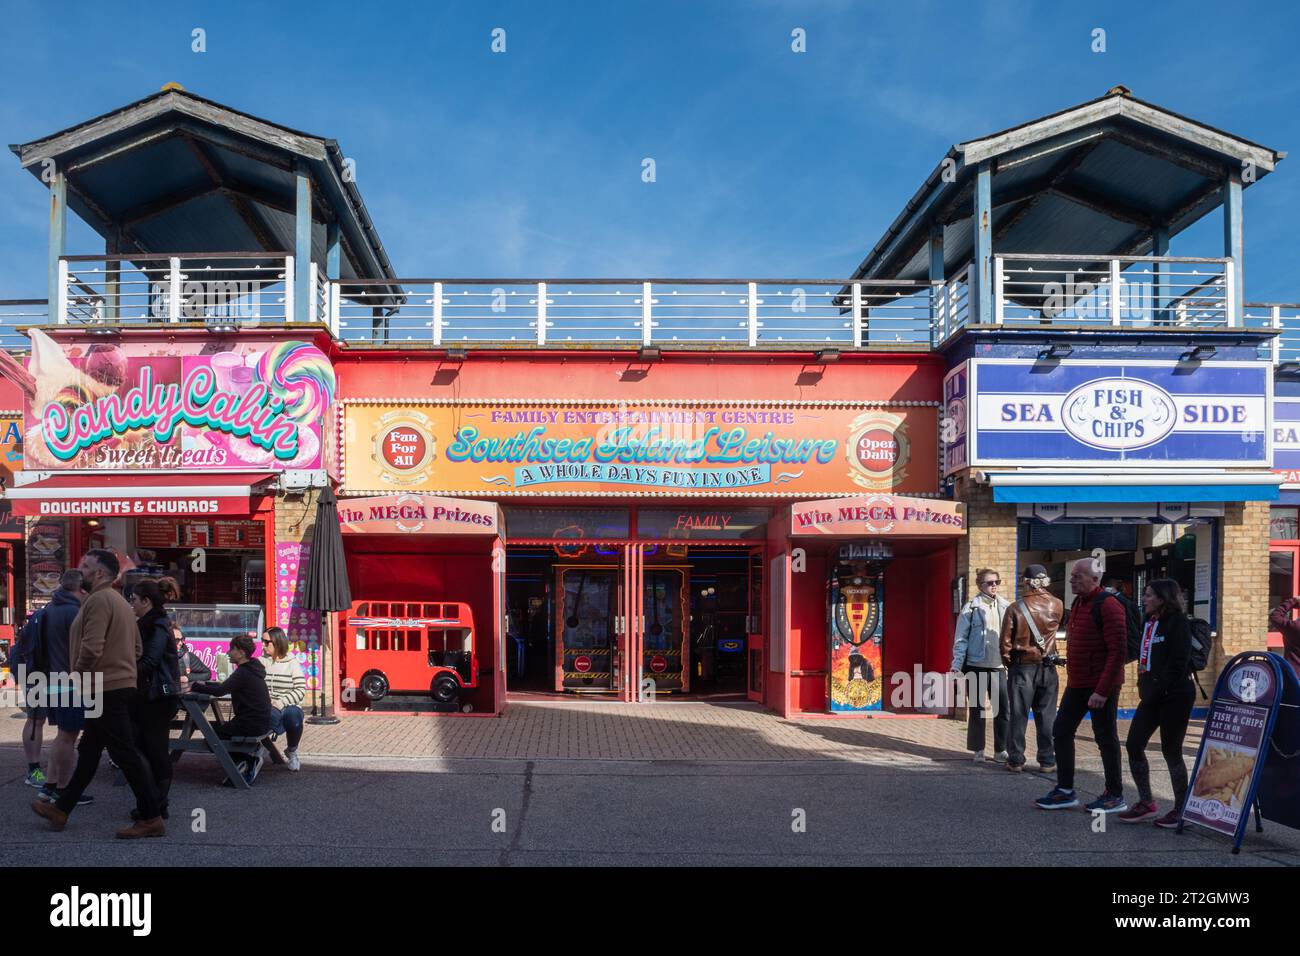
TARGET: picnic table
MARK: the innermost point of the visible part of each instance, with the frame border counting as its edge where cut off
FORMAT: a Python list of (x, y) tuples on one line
[(195, 706)]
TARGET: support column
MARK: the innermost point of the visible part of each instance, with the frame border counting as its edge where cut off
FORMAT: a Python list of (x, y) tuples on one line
[(333, 250), (58, 238), (1163, 293), (982, 268), (1232, 240), (939, 319), (302, 304), (113, 277)]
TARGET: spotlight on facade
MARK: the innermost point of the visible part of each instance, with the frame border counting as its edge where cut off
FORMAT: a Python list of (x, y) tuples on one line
[(828, 355), (457, 355), (1058, 351), (649, 353), (1198, 354)]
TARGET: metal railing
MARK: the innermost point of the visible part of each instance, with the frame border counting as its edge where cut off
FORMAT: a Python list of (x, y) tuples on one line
[(218, 289), (1276, 315), (738, 313), (1117, 291), (15, 313)]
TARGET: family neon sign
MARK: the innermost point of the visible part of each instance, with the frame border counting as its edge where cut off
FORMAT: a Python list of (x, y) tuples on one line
[(256, 415)]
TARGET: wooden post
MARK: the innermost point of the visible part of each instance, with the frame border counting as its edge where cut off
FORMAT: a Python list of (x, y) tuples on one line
[(982, 268), (302, 304)]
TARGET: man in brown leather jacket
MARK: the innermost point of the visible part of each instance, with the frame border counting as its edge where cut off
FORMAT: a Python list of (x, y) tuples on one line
[(1029, 653)]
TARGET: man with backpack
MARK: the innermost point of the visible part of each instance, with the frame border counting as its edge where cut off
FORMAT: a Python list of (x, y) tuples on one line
[(1029, 654), (1097, 637), (54, 622), (27, 659)]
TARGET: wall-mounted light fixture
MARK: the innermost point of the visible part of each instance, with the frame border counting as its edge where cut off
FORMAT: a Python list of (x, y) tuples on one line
[(826, 356), (1198, 354), (649, 353), (1058, 351), (457, 355)]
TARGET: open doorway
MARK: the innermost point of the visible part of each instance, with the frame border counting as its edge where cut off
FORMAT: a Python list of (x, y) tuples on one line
[(569, 629)]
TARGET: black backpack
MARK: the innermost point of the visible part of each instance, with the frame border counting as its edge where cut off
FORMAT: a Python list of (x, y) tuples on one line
[(29, 650), (1132, 620), (1201, 642)]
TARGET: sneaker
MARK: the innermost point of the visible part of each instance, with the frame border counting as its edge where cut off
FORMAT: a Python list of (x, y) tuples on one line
[(294, 763), (1142, 810), (978, 756), (84, 800), (253, 769), (1047, 768), (48, 793), (1107, 803), (36, 778), (1170, 820), (1015, 767), (1058, 799), (1000, 757)]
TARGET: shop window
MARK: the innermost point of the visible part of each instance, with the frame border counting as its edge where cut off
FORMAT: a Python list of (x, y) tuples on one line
[(550, 523), (1284, 524), (1281, 576)]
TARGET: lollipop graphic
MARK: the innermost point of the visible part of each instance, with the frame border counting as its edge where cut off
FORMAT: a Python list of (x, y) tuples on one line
[(301, 377)]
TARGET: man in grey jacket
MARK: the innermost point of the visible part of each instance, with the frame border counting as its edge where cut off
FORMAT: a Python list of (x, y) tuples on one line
[(977, 651)]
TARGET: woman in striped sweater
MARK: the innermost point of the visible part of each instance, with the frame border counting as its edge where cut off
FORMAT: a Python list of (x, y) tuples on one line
[(288, 688)]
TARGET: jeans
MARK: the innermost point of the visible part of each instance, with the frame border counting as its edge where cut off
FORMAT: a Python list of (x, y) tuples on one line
[(153, 720), (1105, 731), (975, 722), (1033, 687), (112, 730), (288, 722), (1170, 712)]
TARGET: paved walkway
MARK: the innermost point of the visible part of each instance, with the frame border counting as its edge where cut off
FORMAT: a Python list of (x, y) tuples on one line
[(606, 730)]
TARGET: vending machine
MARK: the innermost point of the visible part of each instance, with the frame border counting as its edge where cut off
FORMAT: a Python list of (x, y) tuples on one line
[(856, 627)]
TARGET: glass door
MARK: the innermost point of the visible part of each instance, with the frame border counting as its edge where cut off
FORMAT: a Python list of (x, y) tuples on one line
[(664, 629), (588, 622), (1283, 581)]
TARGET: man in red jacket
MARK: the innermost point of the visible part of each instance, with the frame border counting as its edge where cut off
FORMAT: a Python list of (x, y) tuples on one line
[(1094, 673), (1279, 619)]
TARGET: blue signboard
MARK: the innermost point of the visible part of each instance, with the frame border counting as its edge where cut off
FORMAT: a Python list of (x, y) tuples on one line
[(1100, 412), (1286, 440)]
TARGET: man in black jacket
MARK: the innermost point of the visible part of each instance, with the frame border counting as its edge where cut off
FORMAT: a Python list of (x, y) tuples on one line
[(249, 698)]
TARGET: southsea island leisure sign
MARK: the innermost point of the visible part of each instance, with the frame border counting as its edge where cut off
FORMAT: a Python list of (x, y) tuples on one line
[(679, 448)]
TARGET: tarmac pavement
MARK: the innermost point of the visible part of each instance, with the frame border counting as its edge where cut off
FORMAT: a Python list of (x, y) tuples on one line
[(886, 792)]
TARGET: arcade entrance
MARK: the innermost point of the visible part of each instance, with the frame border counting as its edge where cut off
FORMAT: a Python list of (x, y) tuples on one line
[(629, 620)]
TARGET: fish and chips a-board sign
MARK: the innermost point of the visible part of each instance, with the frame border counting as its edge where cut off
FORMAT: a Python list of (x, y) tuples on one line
[(1235, 743), (709, 448)]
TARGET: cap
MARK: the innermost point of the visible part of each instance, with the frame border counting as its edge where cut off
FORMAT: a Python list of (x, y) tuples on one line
[(1035, 571)]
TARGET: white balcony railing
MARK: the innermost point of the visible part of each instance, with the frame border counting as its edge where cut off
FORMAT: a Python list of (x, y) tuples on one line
[(739, 313), (1116, 291), (221, 289), (1284, 317)]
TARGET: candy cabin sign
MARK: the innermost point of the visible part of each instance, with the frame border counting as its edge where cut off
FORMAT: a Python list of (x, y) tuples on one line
[(715, 449), (155, 407)]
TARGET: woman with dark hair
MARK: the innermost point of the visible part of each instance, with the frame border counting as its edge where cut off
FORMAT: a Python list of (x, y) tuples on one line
[(191, 665), (158, 685), (1165, 694)]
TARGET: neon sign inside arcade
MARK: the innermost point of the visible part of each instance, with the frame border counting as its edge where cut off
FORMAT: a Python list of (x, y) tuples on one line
[(256, 415), (624, 446)]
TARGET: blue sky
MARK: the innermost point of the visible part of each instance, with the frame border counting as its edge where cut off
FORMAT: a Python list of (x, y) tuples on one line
[(769, 163)]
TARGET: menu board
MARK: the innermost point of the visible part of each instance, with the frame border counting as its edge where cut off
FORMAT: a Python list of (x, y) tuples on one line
[(47, 559), (182, 533), (302, 625)]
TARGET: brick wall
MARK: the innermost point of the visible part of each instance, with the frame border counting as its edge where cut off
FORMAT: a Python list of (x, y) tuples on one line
[(990, 540), (295, 521)]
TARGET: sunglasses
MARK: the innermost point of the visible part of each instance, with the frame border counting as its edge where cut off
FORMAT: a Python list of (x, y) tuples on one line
[(982, 583)]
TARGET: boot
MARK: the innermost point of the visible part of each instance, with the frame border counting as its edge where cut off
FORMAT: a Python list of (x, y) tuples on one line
[(163, 789), (143, 828), (58, 819)]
